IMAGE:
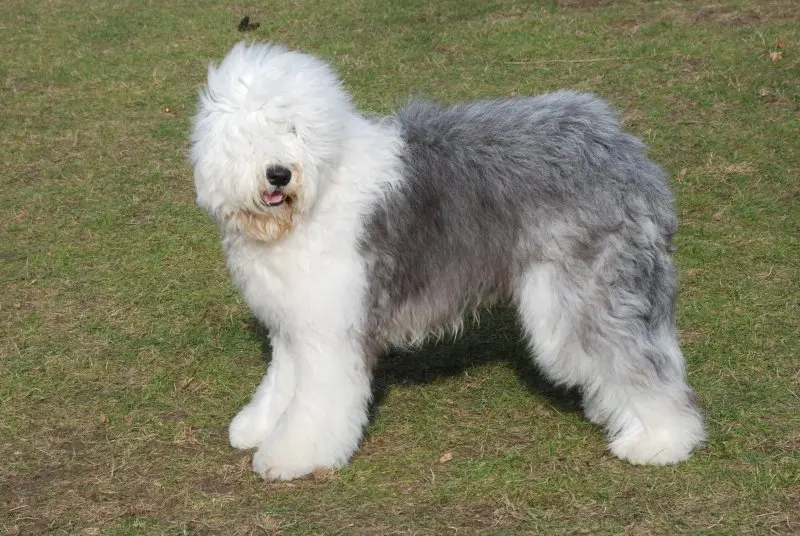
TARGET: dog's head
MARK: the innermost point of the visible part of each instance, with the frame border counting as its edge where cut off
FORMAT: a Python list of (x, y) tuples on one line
[(267, 138)]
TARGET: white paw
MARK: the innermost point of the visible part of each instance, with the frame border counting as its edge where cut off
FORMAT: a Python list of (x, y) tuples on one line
[(659, 446), (277, 463), (299, 446), (249, 428)]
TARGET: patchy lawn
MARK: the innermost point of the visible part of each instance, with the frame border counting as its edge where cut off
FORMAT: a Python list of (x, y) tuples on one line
[(124, 350)]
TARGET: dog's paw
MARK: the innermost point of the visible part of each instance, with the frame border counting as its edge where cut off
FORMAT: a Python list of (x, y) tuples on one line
[(659, 446), (299, 446), (274, 466), (249, 428), (284, 459)]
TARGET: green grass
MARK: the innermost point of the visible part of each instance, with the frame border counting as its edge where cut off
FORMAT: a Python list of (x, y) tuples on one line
[(125, 351)]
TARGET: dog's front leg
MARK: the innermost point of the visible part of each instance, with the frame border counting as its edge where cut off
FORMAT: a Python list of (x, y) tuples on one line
[(323, 424), (256, 421)]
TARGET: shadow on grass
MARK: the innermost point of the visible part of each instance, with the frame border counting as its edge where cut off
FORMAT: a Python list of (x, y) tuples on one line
[(496, 338)]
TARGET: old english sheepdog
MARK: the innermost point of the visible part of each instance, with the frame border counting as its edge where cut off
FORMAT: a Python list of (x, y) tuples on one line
[(348, 234)]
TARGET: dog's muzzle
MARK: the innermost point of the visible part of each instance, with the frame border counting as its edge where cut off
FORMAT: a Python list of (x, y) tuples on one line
[(278, 177)]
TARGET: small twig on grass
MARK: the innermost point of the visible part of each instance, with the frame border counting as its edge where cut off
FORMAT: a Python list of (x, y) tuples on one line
[(585, 60)]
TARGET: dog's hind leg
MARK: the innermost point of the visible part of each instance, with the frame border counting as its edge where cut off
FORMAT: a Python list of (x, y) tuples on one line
[(617, 344), (254, 423)]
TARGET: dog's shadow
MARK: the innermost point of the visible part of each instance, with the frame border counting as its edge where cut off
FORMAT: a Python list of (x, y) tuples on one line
[(497, 337)]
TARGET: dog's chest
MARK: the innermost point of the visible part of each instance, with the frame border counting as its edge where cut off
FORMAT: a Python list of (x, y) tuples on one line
[(297, 286)]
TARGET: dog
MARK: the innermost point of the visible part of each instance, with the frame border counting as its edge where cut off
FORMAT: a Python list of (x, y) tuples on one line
[(349, 234)]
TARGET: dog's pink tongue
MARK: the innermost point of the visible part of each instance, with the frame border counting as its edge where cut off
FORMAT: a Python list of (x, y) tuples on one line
[(272, 198)]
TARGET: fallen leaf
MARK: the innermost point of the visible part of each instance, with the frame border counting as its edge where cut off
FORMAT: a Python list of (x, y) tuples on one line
[(775, 55), (764, 92), (779, 43), (446, 457)]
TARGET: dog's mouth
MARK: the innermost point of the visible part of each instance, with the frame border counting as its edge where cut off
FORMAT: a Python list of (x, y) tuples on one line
[(273, 199)]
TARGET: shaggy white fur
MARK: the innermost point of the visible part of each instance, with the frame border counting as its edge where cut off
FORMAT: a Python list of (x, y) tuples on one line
[(302, 276), (320, 211)]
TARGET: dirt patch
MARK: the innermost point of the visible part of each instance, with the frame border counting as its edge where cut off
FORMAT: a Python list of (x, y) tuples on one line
[(228, 478), (725, 15), (174, 415), (213, 484), (720, 15), (476, 517), (583, 5), (631, 116)]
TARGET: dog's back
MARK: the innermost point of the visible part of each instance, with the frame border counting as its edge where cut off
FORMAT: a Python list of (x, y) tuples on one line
[(492, 186)]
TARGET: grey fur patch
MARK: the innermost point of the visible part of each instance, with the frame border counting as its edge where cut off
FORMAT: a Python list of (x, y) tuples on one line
[(492, 189)]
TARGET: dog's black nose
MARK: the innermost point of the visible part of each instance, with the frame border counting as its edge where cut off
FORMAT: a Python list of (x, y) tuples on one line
[(279, 175)]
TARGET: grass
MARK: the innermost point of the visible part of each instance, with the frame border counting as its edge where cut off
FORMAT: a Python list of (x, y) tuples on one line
[(125, 351)]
